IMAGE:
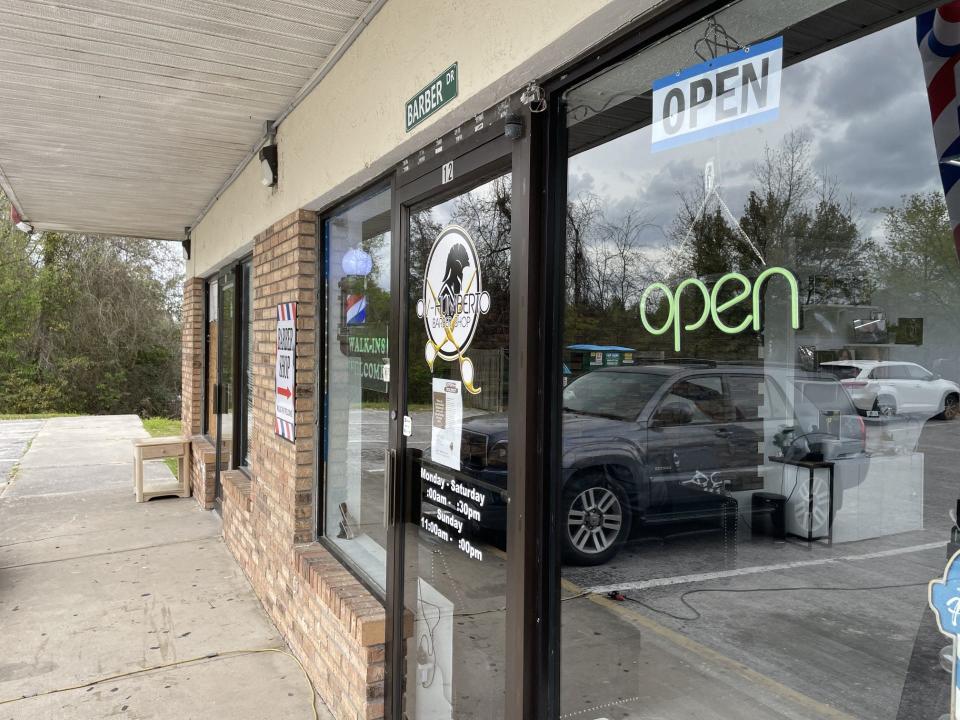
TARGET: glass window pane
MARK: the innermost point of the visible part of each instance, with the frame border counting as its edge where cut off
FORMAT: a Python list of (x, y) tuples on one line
[(247, 346), (227, 306), (770, 255), (357, 265), (212, 354), (699, 398), (746, 396)]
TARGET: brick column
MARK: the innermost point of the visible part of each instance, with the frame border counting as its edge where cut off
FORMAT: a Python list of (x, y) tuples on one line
[(193, 333), (191, 372), (285, 270)]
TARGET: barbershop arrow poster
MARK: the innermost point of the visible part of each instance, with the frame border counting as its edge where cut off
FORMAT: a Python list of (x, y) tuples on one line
[(286, 369)]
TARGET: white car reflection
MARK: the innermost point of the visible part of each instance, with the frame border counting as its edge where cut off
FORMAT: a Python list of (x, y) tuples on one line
[(880, 388)]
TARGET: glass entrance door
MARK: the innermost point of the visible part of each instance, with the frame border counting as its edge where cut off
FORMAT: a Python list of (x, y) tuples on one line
[(452, 469)]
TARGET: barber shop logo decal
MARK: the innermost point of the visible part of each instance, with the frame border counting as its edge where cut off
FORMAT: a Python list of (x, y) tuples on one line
[(453, 301)]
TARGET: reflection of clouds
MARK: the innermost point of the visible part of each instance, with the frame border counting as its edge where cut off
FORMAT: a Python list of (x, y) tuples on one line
[(864, 104), (869, 77), (579, 183)]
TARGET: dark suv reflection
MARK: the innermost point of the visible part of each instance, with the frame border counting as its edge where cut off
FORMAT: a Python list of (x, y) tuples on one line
[(671, 443)]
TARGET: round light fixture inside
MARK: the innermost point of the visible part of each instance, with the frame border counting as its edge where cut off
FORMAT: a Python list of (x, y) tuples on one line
[(357, 262)]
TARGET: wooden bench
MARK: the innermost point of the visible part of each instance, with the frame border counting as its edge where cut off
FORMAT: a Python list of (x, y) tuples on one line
[(160, 448)]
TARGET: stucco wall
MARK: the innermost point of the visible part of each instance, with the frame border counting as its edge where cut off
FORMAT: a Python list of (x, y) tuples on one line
[(351, 128)]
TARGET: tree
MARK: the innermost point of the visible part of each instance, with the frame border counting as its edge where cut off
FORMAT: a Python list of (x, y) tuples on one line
[(90, 324)]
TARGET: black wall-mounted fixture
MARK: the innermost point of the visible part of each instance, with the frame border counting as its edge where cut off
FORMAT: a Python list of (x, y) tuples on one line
[(513, 127), (268, 157), (186, 241)]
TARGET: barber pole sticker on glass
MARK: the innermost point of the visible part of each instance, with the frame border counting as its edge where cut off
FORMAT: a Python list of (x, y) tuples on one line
[(719, 96), (286, 369)]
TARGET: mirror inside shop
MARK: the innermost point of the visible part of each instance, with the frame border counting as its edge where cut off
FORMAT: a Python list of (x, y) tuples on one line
[(760, 382)]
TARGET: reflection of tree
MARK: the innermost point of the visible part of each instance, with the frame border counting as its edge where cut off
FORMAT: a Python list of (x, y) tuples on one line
[(605, 264), (423, 231), (607, 270), (916, 273), (485, 214), (792, 218), (582, 213), (919, 254)]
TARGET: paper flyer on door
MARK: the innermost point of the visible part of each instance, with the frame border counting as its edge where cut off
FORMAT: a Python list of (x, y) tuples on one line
[(447, 425)]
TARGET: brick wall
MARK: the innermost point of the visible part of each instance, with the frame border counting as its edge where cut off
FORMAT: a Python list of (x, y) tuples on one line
[(192, 323), (201, 464), (202, 469), (328, 618)]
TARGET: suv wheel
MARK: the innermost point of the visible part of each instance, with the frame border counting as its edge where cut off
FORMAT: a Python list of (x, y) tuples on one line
[(597, 519), (951, 407)]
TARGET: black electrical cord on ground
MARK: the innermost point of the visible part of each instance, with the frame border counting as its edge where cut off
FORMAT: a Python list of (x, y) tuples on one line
[(697, 615)]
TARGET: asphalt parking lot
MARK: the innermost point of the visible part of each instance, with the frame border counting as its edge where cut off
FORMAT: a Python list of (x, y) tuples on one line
[(803, 629)]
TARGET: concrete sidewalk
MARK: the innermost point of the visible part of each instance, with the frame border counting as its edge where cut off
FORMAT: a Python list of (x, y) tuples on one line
[(93, 585)]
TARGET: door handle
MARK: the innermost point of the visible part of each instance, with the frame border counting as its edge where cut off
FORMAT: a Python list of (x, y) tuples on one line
[(389, 465), (723, 432)]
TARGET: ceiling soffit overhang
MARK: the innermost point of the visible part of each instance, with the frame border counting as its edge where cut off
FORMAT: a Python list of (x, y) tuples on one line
[(128, 116)]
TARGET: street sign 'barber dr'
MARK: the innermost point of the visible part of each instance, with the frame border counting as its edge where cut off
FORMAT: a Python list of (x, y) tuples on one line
[(722, 95)]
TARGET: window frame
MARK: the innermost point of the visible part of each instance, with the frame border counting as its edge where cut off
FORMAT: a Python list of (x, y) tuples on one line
[(205, 362), (243, 275), (725, 400), (772, 394), (239, 365), (919, 374), (208, 422), (385, 182), (655, 26)]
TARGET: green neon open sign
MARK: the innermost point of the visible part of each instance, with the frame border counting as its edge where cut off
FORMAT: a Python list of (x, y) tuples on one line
[(713, 308)]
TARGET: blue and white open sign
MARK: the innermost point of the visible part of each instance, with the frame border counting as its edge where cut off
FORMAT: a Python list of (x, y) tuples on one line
[(944, 598), (718, 96)]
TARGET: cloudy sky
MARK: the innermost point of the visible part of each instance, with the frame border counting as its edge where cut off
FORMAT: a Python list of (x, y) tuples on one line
[(864, 106)]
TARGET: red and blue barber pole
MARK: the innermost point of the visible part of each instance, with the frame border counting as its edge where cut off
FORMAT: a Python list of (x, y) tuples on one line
[(938, 36), (356, 309)]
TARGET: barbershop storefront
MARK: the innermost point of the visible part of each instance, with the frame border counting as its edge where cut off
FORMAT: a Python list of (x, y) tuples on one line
[(634, 395)]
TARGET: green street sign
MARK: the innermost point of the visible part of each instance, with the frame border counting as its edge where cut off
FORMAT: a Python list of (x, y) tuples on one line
[(434, 96)]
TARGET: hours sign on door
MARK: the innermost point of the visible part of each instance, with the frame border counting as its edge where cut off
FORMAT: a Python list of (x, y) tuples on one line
[(286, 369), (722, 95)]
